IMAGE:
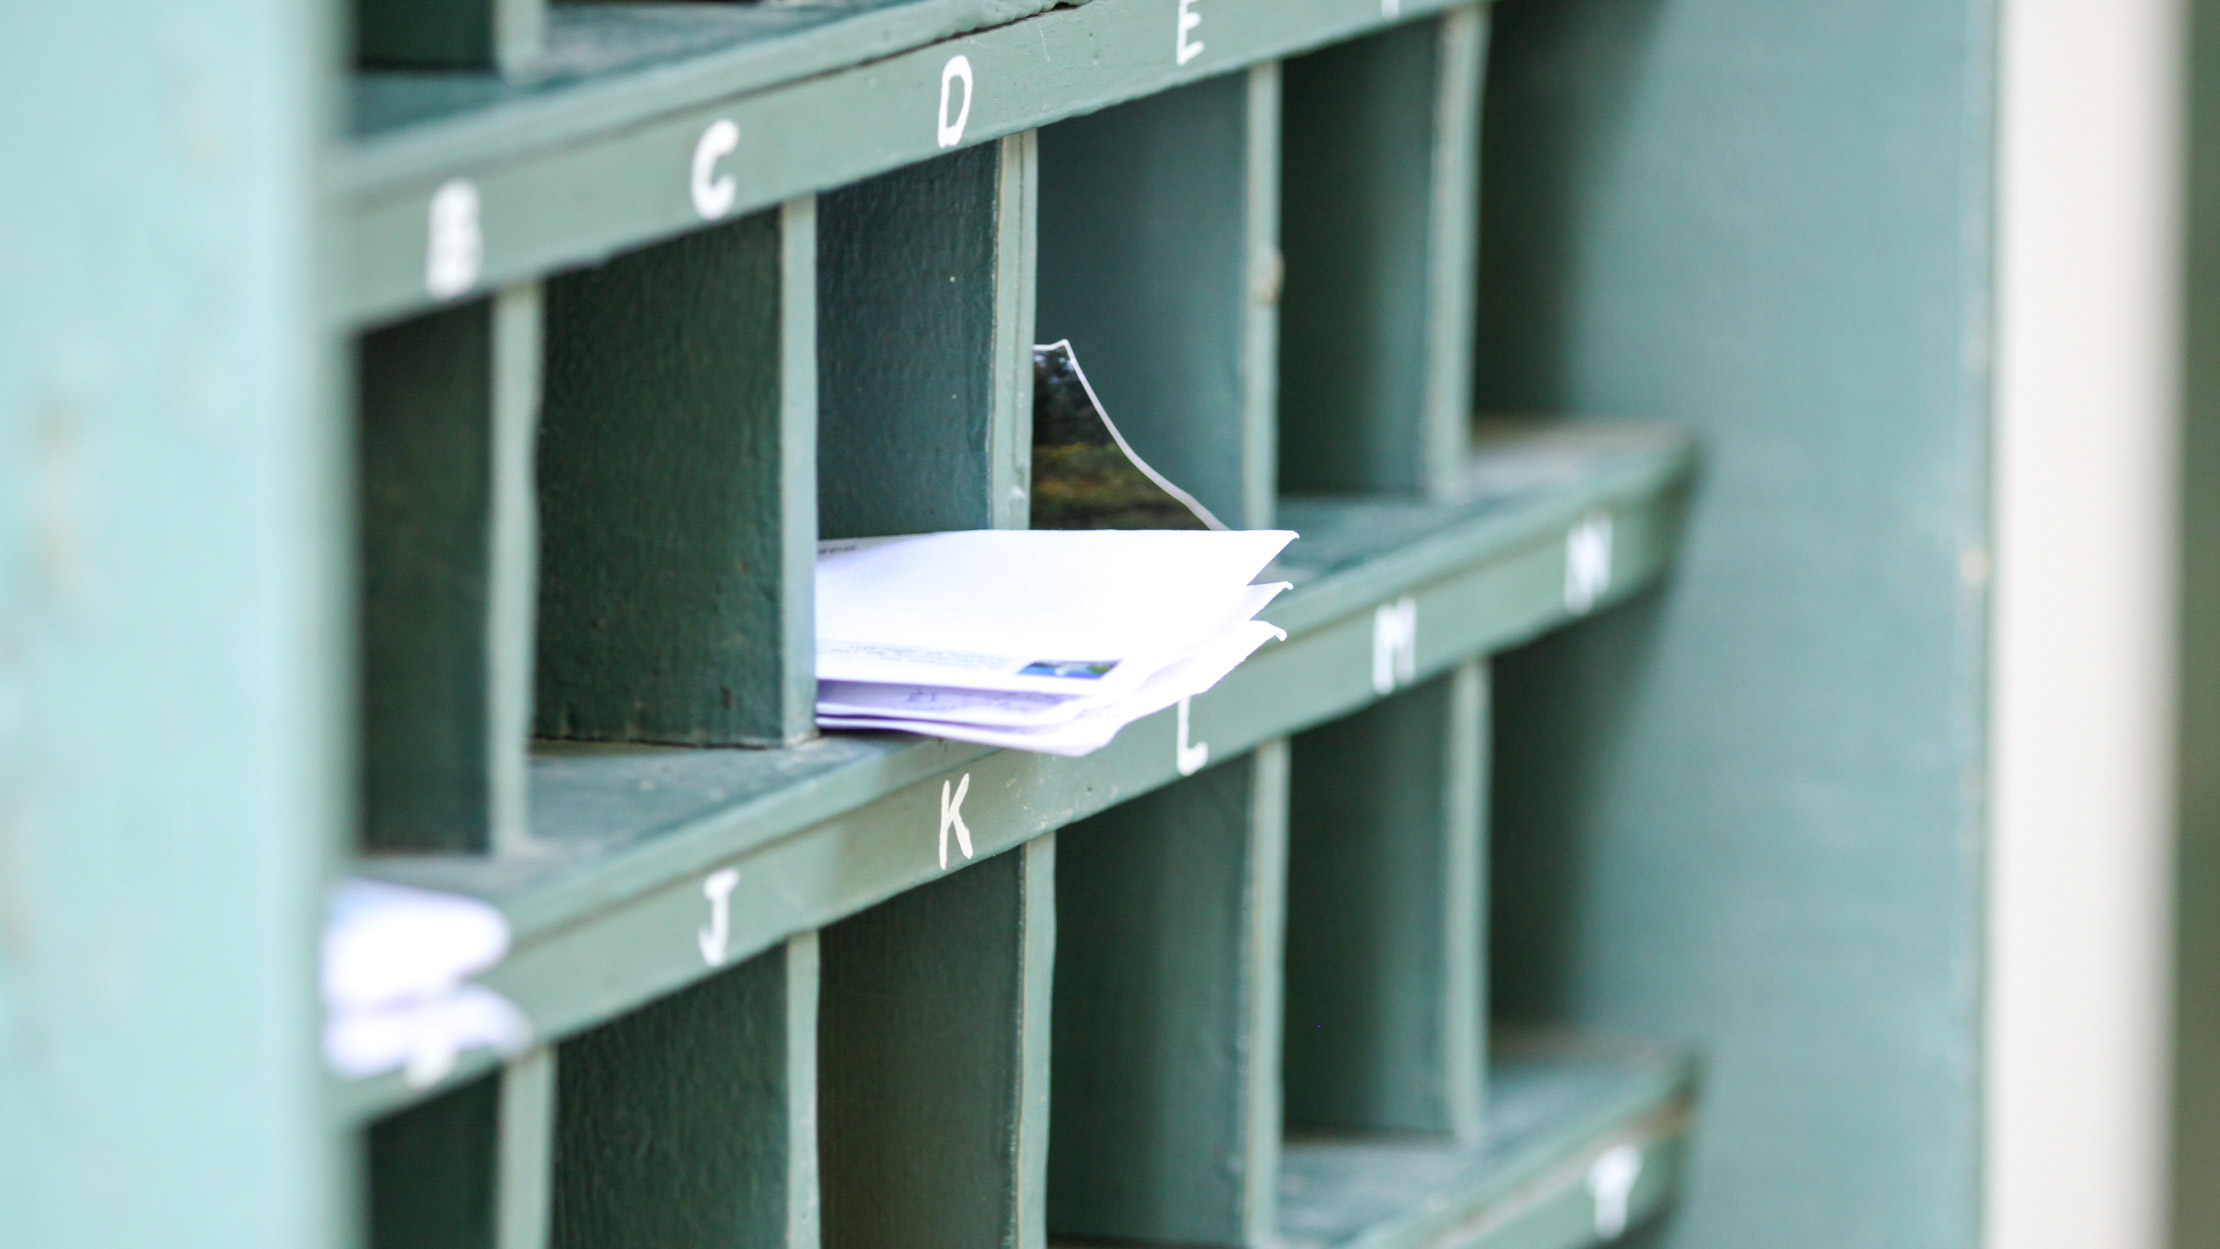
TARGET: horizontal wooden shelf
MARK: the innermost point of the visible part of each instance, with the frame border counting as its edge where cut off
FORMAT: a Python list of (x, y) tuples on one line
[(607, 904), (602, 157), (731, 48), (1556, 1106), (1554, 1110)]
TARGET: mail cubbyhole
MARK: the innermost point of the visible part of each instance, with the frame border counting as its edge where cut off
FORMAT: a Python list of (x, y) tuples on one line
[(1379, 189), (1385, 1007), (1159, 262), (678, 518), (1164, 1116), (924, 345), (431, 1171), (444, 405), (504, 36), (932, 1049), (690, 1123)]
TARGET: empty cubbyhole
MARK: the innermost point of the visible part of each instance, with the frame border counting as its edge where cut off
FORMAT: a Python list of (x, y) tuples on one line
[(1378, 189), (1385, 895), (691, 1122), (933, 1060), (443, 433), (1159, 261), (678, 522), (468, 1169), (432, 1171), (925, 345), (1164, 1122), (507, 36)]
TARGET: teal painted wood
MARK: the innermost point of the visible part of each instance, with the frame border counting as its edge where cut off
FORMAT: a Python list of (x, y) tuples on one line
[(524, 1159), (1260, 348), (736, 47), (500, 35), (1385, 902), (1453, 246), (932, 1066), (431, 1171), (1739, 813), (1165, 1114), (914, 325), (1016, 313), (448, 407), (1561, 1106), (1035, 1041), (678, 491), (425, 459), (513, 571), (633, 137), (688, 1123), (1150, 252), (174, 588), (1378, 199), (2195, 1201), (634, 833)]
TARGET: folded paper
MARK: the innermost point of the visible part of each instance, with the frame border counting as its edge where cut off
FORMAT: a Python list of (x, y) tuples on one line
[(396, 962)]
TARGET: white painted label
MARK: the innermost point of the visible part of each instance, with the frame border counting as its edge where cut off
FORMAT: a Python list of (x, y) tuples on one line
[(714, 193), (952, 817), (716, 940), (957, 70), (1611, 1183), (1394, 644), (1587, 563), (1189, 757), (1184, 48), (457, 250)]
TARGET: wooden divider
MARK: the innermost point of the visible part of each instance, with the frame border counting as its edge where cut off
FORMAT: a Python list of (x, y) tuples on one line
[(1165, 1114), (524, 1151)]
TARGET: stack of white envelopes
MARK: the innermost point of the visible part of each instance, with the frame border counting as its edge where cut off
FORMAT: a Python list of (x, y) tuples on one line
[(1045, 640)]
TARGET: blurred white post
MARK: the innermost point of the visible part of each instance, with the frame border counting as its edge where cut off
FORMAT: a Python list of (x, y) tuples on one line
[(2088, 346)]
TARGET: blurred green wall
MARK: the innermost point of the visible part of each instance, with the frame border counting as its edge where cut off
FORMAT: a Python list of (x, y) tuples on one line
[(1747, 811)]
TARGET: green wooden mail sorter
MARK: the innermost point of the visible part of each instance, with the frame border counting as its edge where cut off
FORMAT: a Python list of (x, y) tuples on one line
[(626, 307)]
